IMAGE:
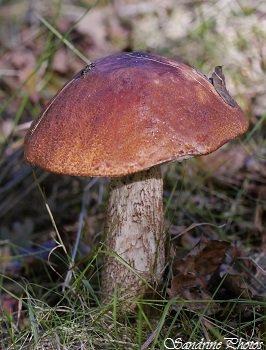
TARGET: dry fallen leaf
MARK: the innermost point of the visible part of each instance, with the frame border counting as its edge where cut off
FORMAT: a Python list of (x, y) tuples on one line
[(194, 273), (204, 258)]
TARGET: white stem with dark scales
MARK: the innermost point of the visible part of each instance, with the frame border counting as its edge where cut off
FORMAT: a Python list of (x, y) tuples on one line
[(135, 232)]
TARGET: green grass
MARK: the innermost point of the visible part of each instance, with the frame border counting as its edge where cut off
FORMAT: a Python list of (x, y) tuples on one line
[(56, 310)]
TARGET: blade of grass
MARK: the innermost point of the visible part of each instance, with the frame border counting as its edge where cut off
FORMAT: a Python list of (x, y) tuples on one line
[(32, 320), (255, 128), (50, 213), (64, 40), (91, 291)]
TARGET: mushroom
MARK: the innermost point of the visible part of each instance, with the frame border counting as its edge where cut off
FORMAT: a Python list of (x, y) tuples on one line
[(121, 117)]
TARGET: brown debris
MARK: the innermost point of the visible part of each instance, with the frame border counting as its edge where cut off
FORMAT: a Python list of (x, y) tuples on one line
[(193, 274)]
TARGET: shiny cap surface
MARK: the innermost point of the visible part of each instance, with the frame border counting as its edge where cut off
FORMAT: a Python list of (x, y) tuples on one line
[(128, 112)]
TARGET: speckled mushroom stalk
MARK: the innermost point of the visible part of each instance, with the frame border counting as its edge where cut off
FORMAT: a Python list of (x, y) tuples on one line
[(119, 117), (135, 232)]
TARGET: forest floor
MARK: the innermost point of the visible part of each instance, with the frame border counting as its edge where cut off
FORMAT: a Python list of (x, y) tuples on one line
[(215, 206)]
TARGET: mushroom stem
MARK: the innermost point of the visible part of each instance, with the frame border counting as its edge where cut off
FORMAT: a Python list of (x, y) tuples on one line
[(135, 232)]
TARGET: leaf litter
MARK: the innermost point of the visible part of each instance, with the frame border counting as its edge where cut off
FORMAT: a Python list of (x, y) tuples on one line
[(214, 270)]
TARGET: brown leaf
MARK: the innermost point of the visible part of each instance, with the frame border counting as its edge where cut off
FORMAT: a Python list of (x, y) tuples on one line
[(204, 258), (192, 289), (210, 257), (191, 282), (218, 80), (185, 266), (182, 282)]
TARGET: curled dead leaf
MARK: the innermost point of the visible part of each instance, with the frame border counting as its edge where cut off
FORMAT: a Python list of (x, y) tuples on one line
[(204, 258), (194, 271)]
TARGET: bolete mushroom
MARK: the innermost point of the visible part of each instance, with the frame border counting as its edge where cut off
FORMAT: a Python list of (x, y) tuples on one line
[(121, 117)]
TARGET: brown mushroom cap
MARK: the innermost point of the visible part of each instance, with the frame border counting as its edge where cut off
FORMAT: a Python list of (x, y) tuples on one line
[(128, 112)]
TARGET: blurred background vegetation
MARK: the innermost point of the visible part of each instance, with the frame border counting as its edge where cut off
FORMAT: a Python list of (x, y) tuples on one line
[(41, 47)]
